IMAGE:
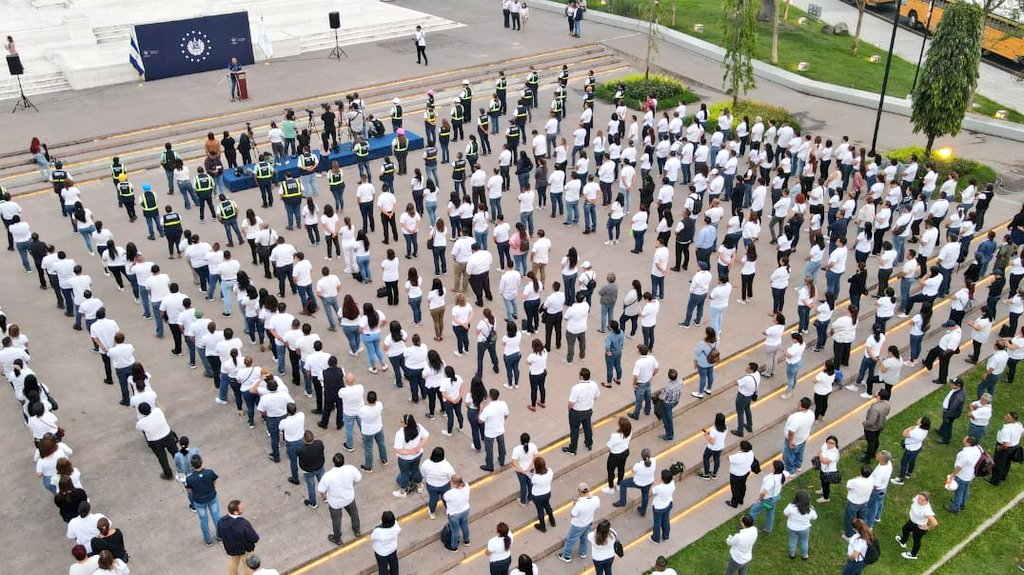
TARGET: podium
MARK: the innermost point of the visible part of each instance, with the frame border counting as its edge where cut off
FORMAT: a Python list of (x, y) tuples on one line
[(243, 88)]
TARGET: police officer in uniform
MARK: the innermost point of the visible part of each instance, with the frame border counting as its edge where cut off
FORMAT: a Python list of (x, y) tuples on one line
[(116, 169), (336, 182), (472, 151), (483, 122), (265, 179), (308, 163), (512, 137), (361, 148), (396, 114), (459, 174), (291, 195), (561, 94), (501, 89), (494, 111), (430, 163), (556, 112), (151, 211), (458, 115), (387, 175), (532, 87), (430, 123), (444, 135), (466, 95), (172, 231), (400, 147), (204, 185), (227, 213), (126, 196), (522, 112), (59, 178)]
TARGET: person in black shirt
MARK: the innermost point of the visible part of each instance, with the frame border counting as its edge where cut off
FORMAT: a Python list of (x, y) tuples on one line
[(110, 539), (330, 125), (201, 485), (228, 143), (333, 380), (311, 461), (237, 535), (38, 249), (68, 498)]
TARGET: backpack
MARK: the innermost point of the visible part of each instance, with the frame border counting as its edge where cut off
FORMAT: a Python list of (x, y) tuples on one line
[(873, 553), (446, 537), (985, 464)]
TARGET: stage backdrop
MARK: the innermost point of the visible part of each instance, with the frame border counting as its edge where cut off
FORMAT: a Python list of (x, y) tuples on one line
[(194, 45)]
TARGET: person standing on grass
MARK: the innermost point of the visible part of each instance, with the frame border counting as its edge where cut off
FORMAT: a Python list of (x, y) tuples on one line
[(922, 520), (857, 548), (952, 408), (880, 476), (741, 547), (963, 473), (874, 424), (799, 515), (1007, 446)]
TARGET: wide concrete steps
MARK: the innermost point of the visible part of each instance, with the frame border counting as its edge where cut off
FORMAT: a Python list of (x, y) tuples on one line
[(33, 84)]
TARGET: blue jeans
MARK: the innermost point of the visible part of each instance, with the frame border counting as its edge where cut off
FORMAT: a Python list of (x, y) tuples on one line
[(572, 212), (312, 478), (576, 533), (853, 510), (363, 262), (768, 506), (662, 523), (716, 319), (792, 371), (642, 396), (274, 428), (330, 305), (209, 510), (511, 313), (607, 314), (832, 282), (435, 494), (695, 302), (459, 522), (371, 341), (875, 507), (294, 215), (589, 216), (960, 496), (409, 473), (306, 295), (158, 318), (512, 367), (613, 366), (801, 537), (212, 281), (291, 448), (23, 252), (645, 493), (225, 294), (658, 286), (352, 335), (793, 458), (368, 441), (707, 378), (666, 418), (350, 422)]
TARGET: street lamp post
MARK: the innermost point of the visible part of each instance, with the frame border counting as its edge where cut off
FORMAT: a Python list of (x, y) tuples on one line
[(924, 38), (885, 81)]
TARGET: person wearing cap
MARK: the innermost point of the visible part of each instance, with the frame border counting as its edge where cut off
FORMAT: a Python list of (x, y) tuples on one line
[(151, 211), (952, 408), (396, 114), (584, 507), (466, 97), (948, 345)]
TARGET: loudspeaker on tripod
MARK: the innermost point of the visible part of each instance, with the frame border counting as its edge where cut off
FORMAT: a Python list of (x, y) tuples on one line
[(14, 65), (335, 19)]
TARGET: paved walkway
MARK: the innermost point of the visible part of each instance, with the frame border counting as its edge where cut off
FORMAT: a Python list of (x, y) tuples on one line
[(995, 83)]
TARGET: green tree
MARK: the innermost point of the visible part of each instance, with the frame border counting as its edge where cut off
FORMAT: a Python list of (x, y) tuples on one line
[(950, 73), (740, 27)]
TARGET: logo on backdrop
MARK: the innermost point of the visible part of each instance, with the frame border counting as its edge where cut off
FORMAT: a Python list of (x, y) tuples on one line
[(195, 46)]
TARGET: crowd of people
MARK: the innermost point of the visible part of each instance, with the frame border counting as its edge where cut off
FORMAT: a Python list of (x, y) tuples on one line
[(758, 169)]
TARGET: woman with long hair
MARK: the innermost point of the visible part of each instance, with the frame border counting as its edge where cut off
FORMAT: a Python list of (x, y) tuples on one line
[(799, 515), (108, 564), (618, 453), (331, 228), (540, 492), (806, 297), (390, 274), (919, 325), (523, 456), (511, 353), (768, 497), (794, 361), (715, 437), (747, 271), (615, 216), (436, 307), (486, 341), (519, 247), (81, 218), (409, 443), (823, 386), (414, 295), (437, 475), (430, 201), (438, 244), (370, 323), (361, 250), (310, 218), (602, 543), (451, 399), (347, 233), (115, 261), (250, 226), (828, 458), (350, 324), (462, 316), (433, 378), (913, 441), (779, 285), (702, 360), (614, 343), (394, 347), (538, 372), (857, 548), (642, 479), (68, 498), (474, 402), (631, 301), (822, 318), (531, 302), (843, 332)]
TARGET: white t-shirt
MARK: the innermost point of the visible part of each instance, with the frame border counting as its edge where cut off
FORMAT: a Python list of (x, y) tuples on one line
[(338, 485), (493, 417)]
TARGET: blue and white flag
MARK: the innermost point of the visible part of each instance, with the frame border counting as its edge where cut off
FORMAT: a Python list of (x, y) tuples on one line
[(135, 55)]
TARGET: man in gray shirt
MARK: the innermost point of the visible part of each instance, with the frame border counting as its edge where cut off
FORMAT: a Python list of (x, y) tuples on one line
[(608, 294), (874, 423)]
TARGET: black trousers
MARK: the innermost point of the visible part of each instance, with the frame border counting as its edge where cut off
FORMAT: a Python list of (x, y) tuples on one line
[(616, 467), (106, 368), (943, 356), (682, 256), (54, 283), (388, 222), (161, 447), (332, 404), (481, 286), (176, 334), (421, 52), (872, 439), (738, 487), (820, 405), (553, 322), (1002, 459), (578, 419), (387, 565)]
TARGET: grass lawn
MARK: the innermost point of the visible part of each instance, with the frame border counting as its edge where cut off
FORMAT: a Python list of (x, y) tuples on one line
[(985, 107), (828, 550), (831, 57), (997, 550)]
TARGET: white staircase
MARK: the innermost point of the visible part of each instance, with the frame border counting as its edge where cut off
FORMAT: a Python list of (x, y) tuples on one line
[(112, 34)]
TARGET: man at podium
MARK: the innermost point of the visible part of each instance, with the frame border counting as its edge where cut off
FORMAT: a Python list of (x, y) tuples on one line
[(234, 68)]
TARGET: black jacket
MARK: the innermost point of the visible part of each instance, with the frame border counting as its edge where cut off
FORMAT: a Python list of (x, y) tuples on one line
[(237, 535), (956, 405), (333, 380)]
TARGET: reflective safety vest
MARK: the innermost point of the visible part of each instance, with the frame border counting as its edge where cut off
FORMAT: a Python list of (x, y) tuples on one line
[(466, 94), (149, 203), (172, 219), (531, 80), (291, 188), (361, 149), (306, 160), (457, 113), (471, 149), (444, 133), (527, 96), (522, 112), (588, 98), (399, 145), (204, 184), (512, 135), (430, 116), (335, 178), (58, 176), (485, 123), (396, 113), (430, 156), (264, 171), (561, 94), (502, 84), (563, 76), (590, 81), (125, 189), (495, 106), (228, 210), (116, 170), (459, 170), (389, 169), (556, 105)]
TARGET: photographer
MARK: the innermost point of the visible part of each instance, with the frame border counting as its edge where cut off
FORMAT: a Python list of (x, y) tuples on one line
[(330, 124), (356, 120)]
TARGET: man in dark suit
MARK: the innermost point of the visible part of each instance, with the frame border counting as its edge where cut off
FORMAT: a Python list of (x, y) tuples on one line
[(237, 535), (333, 380), (952, 407)]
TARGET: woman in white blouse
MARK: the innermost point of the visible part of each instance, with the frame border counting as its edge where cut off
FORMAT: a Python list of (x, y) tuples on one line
[(370, 323), (348, 244), (618, 453), (523, 456), (511, 353), (385, 542), (843, 332), (390, 273), (436, 306), (531, 302), (828, 458), (331, 226), (499, 550), (794, 361), (768, 497), (602, 547), (437, 476), (823, 383), (799, 515), (410, 222), (779, 285), (540, 491), (414, 295), (462, 316), (438, 244)]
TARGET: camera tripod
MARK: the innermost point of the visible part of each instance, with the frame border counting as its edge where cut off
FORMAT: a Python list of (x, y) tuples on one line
[(311, 125), (23, 102), (337, 52)]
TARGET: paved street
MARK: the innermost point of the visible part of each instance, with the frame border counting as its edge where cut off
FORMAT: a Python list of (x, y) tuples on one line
[(120, 473)]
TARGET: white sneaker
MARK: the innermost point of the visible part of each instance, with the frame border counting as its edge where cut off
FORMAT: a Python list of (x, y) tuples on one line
[(347, 270), (384, 366), (697, 394), (400, 494), (908, 555), (372, 370), (900, 542), (446, 433), (458, 354), (786, 396), (865, 395), (219, 401), (431, 515), (903, 315), (851, 387), (608, 490)]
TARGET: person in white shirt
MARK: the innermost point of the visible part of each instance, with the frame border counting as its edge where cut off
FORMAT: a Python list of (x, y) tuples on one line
[(576, 327), (880, 477), (921, 521), (581, 410), (492, 417), (385, 542), (337, 487), (83, 527), (456, 504), (858, 493), (584, 507), (797, 430), (159, 437), (768, 497), (963, 473), (799, 515), (741, 546)]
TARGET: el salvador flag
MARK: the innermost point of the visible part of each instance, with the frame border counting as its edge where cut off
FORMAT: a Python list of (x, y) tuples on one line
[(135, 55)]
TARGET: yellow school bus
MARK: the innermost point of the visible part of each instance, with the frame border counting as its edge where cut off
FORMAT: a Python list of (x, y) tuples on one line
[(1004, 32)]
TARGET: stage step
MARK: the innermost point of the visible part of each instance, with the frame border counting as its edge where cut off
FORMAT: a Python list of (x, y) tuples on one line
[(363, 34), (112, 34), (33, 84)]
